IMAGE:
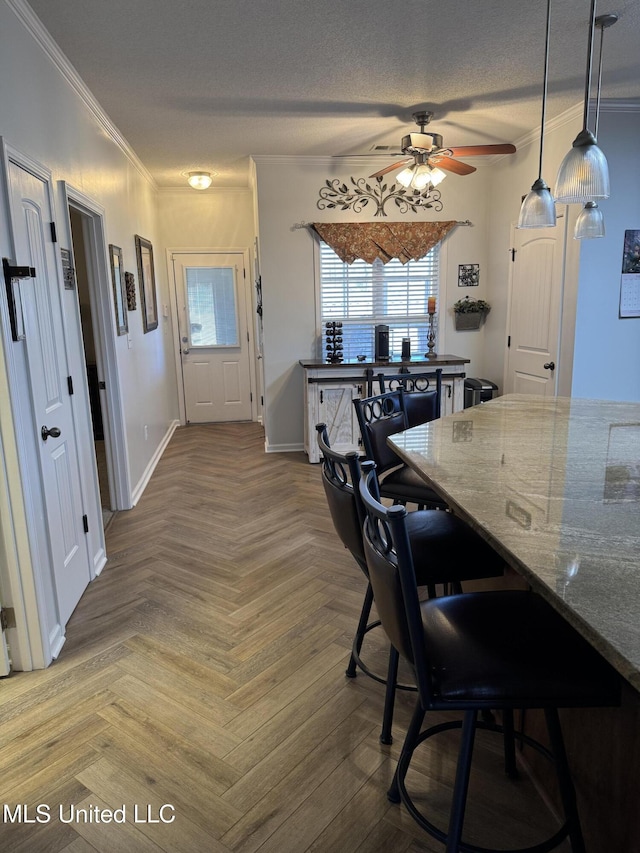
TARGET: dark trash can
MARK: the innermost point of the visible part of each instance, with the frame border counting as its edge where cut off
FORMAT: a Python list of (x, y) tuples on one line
[(478, 391)]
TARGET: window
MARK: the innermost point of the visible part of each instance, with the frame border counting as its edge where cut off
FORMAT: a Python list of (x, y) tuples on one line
[(361, 295), (211, 305)]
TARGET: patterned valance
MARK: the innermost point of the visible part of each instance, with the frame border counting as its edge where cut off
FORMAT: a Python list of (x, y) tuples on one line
[(405, 241)]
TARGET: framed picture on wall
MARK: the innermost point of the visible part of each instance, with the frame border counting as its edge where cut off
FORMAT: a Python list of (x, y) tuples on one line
[(119, 294), (147, 279)]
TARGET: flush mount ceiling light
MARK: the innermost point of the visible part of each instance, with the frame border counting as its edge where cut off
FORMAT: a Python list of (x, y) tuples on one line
[(538, 208), (199, 180), (590, 222), (584, 173)]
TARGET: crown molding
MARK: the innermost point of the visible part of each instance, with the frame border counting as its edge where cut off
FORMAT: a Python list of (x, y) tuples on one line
[(36, 29), (623, 106)]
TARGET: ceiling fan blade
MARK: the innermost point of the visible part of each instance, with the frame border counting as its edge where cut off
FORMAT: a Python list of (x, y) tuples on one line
[(391, 168), (478, 150), (451, 165)]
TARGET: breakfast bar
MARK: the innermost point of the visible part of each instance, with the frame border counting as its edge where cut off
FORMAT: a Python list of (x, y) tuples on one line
[(554, 485)]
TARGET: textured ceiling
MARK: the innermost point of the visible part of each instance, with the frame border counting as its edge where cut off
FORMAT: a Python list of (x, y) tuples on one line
[(206, 83)]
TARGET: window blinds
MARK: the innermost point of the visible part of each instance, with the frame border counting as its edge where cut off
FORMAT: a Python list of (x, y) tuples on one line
[(362, 295)]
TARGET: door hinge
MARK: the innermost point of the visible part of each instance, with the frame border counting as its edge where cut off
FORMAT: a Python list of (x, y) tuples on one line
[(102, 385), (7, 618), (85, 523), (251, 396), (70, 384), (248, 339), (508, 341), (54, 236), (322, 396), (262, 401), (513, 254)]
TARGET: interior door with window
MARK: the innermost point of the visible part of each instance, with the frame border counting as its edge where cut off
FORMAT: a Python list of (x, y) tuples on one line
[(214, 339), (536, 285)]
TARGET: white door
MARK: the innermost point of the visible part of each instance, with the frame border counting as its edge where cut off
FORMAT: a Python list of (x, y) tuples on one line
[(214, 340), (537, 274), (31, 215)]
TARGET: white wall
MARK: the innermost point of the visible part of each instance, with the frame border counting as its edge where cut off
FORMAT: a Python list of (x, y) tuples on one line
[(607, 348), (220, 217), (286, 194)]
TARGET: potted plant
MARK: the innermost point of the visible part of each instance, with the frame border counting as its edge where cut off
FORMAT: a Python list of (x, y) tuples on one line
[(470, 313)]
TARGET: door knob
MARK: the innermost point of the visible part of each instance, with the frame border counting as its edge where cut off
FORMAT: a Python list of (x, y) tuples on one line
[(550, 365), (45, 432)]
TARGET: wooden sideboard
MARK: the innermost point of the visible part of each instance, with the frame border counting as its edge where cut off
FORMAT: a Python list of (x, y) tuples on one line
[(329, 391)]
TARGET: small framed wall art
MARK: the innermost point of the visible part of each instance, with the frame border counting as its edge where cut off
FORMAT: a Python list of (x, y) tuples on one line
[(119, 294), (147, 278)]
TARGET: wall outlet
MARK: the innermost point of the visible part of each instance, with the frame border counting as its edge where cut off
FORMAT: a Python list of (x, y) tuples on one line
[(146, 432)]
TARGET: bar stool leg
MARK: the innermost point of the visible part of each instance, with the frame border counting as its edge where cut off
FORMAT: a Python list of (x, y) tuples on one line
[(461, 788), (361, 630), (565, 782), (390, 696), (410, 743), (509, 744)]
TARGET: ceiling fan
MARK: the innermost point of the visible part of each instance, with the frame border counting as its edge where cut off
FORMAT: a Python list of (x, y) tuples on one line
[(425, 153)]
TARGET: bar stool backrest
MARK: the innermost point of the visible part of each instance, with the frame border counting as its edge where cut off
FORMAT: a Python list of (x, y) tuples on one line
[(379, 417), (422, 394)]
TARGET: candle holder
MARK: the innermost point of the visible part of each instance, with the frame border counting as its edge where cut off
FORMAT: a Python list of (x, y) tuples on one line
[(431, 337)]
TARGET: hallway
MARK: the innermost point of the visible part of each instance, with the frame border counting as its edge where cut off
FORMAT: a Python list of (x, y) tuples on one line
[(204, 670)]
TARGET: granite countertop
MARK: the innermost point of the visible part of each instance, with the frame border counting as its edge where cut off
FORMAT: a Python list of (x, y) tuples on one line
[(436, 361), (554, 485)]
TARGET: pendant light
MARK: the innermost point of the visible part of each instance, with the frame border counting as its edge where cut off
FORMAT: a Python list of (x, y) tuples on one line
[(584, 173), (538, 208), (590, 222)]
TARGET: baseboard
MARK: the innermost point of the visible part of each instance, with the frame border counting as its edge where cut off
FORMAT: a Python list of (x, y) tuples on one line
[(56, 641), (99, 562), (283, 448), (143, 481)]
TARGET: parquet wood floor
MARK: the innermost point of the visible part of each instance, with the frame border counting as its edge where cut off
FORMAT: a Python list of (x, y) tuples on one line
[(204, 670)]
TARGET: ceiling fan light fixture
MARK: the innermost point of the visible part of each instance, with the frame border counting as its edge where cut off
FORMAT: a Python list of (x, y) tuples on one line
[(406, 176), (437, 176), (590, 223), (200, 180), (421, 177)]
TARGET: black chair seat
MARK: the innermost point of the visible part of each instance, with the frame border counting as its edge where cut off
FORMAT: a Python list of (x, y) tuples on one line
[(403, 484), (446, 550), (510, 648)]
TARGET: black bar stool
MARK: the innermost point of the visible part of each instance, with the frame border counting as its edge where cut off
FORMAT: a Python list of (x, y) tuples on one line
[(502, 650)]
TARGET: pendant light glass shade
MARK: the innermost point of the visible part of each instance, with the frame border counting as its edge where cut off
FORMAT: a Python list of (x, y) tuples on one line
[(538, 208), (584, 172), (590, 222)]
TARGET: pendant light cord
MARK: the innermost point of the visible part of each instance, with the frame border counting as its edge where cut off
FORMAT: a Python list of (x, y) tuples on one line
[(587, 85), (544, 87)]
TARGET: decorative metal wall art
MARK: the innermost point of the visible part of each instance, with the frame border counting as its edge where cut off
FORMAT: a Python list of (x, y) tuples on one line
[(338, 195), (130, 287), (468, 275)]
